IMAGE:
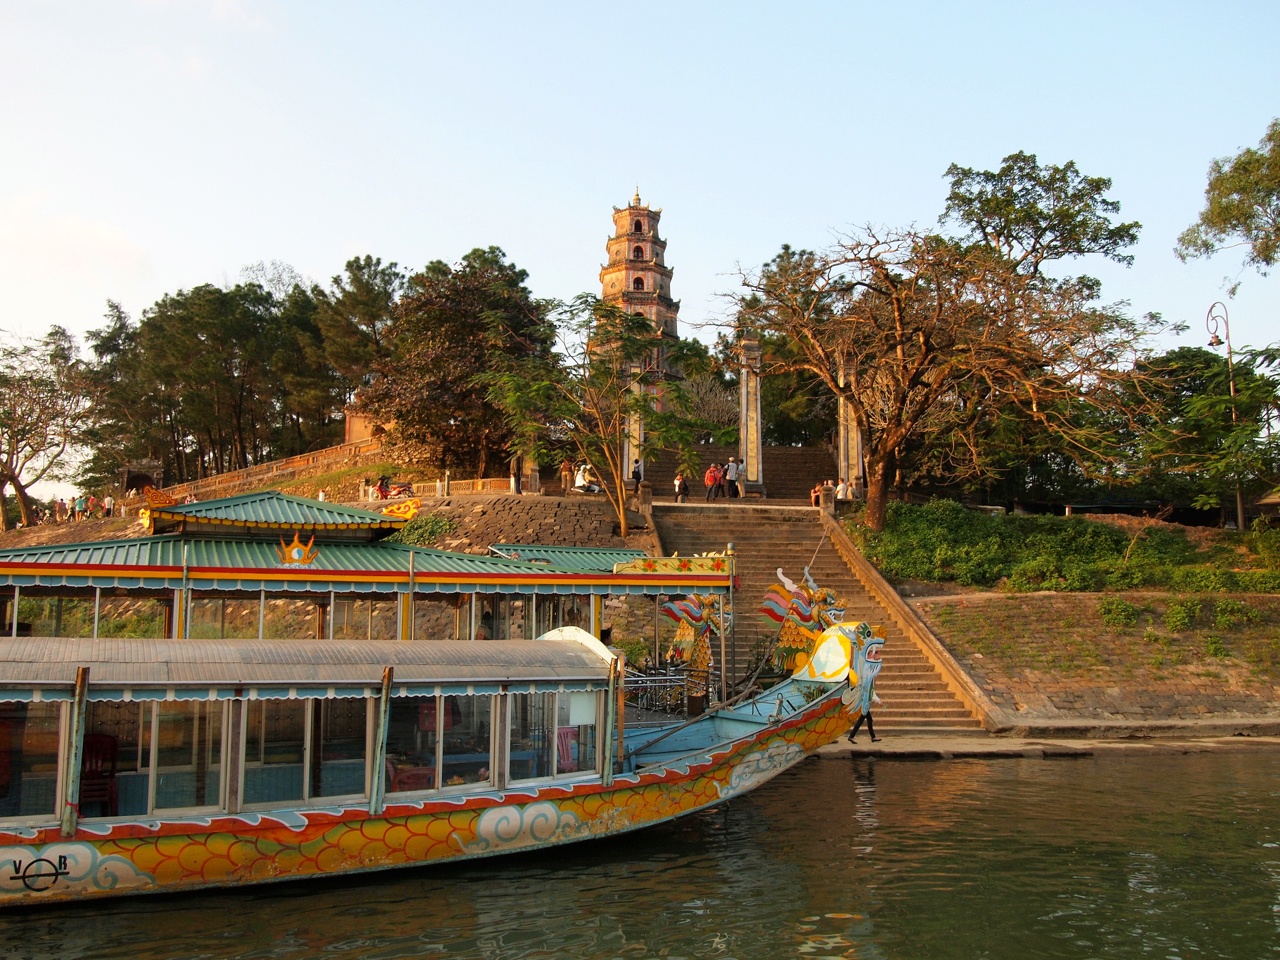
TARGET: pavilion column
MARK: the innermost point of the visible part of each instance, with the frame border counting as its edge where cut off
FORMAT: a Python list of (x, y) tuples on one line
[(635, 427)]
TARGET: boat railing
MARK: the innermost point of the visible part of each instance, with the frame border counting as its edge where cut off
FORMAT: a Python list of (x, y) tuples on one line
[(671, 690)]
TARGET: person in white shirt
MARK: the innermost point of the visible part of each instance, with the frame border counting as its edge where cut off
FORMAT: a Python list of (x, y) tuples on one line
[(731, 470), (842, 490)]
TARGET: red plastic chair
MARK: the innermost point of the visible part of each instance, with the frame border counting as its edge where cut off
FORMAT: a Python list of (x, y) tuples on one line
[(565, 737), (98, 773), (413, 778)]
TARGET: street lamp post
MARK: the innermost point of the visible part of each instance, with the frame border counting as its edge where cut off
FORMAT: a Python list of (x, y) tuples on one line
[(1217, 318)]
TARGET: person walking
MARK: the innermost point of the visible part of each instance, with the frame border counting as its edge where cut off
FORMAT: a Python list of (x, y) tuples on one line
[(637, 473), (866, 715), (108, 506)]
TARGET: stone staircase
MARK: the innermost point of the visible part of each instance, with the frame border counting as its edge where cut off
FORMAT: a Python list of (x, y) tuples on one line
[(766, 537)]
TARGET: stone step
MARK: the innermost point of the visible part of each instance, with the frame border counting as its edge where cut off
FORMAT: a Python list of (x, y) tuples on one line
[(768, 537), (895, 694), (903, 729)]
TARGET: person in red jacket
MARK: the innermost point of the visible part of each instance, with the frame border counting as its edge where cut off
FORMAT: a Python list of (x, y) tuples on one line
[(711, 480)]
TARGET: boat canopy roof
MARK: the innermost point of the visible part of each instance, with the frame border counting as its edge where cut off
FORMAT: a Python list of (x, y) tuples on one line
[(44, 668)]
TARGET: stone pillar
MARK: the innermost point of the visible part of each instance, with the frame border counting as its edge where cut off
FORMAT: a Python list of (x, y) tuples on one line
[(750, 428), (849, 460), (635, 427)]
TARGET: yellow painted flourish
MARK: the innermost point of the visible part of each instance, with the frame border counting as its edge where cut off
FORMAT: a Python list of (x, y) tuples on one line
[(295, 553)]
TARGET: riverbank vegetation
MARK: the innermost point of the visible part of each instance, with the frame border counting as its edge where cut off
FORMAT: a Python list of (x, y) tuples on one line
[(945, 542)]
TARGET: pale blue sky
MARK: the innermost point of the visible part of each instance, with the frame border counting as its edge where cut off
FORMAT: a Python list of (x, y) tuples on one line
[(149, 146)]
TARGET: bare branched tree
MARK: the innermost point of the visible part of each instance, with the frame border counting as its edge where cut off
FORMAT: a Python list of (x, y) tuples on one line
[(42, 406)]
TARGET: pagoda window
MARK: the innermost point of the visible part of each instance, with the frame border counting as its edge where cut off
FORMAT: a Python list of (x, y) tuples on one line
[(638, 228), (637, 253), (639, 284)]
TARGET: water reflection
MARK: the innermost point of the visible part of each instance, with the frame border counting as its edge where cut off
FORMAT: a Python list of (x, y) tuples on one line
[(1166, 857)]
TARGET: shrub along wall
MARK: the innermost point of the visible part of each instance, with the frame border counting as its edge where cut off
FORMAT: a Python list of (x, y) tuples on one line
[(943, 541)]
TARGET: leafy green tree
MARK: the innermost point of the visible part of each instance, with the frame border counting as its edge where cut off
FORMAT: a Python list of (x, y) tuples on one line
[(938, 343), (1029, 215), (1229, 439), (42, 403), (579, 401), (357, 315), (1241, 204), (310, 390), (210, 380), (123, 422), (454, 324)]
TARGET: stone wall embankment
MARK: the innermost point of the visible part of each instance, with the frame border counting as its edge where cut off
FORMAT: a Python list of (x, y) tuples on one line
[(1049, 659)]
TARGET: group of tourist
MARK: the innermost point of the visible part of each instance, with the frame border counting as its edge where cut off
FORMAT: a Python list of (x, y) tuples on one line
[(720, 480), (86, 506), (843, 491)]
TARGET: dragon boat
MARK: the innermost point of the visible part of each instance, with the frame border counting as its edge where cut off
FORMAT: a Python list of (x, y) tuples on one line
[(138, 766)]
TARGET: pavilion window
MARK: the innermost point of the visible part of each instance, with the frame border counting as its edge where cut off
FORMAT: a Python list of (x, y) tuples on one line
[(30, 734)]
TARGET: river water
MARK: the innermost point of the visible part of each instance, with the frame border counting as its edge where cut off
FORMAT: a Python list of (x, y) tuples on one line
[(1117, 857)]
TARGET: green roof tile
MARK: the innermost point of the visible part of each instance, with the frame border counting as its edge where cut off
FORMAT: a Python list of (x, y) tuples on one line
[(272, 507)]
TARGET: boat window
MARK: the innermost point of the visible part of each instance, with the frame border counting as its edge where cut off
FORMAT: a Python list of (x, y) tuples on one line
[(413, 744), (299, 750), (188, 754), (339, 746), (138, 758), (577, 750), (532, 735), (114, 778), (466, 755), (275, 743), (29, 738)]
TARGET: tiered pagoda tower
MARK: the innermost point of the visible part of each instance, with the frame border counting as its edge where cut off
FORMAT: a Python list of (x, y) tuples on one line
[(635, 278)]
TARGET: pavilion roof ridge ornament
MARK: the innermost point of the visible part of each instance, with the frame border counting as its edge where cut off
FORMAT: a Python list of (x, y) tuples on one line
[(270, 509)]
